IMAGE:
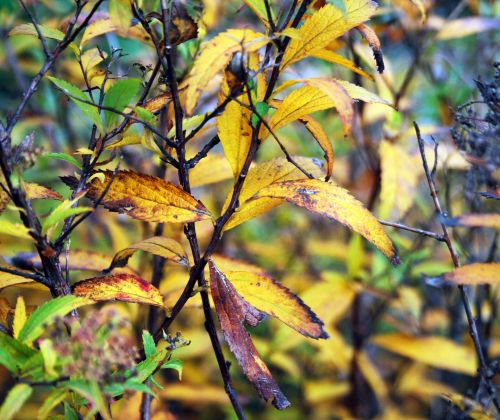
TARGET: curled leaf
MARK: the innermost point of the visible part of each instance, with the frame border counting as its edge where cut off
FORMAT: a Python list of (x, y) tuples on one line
[(372, 38), (231, 319), (157, 245), (316, 130)]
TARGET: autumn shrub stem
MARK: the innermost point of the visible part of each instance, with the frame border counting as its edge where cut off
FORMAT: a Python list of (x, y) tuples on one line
[(56, 280), (484, 374)]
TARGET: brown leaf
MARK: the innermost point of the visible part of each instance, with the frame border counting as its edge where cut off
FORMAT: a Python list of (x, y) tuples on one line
[(121, 287), (229, 311), (146, 198)]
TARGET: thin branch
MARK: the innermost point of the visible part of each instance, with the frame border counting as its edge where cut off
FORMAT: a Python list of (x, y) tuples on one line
[(483, 369), (414, 230), (42, 39), (36, 277)]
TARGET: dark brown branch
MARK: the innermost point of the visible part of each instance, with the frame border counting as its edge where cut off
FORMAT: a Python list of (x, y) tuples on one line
[(483, 367), (414, 230)]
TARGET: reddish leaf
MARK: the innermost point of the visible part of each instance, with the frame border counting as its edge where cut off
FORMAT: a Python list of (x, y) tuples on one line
[(121, 287), (229, 311)]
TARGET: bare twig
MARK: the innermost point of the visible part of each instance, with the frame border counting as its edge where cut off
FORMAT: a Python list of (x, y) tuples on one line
[(483, 367)]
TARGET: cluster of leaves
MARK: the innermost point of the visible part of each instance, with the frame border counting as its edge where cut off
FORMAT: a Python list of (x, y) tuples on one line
[(216, 131)]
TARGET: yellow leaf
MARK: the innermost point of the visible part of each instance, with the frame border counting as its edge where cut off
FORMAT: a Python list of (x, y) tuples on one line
[(215, 55), (120, 287), (326, 25), (317, 392), (335, 58), (421, 8), (235, 134), (434, 351), (490, 220), (333, 201), (399, 181), (19, 317), (210, 170), (157, 245), (460, 28), (471, 409), (302, 101), (415, 381), (8, 279), (92, 58), (315, 128), (272, 298), (372, 376), (260, 176), (146, 198), (478, 273), (225, 263), (14, 229), (103, 26)]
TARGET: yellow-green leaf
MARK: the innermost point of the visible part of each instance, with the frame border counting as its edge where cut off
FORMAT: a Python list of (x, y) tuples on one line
[(14, 229), (333, 201), (120, 287), (14, 401), (435, 351)]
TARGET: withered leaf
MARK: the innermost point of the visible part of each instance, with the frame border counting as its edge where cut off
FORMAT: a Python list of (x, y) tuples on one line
[(145, 197), (121, 287), (229, 311)]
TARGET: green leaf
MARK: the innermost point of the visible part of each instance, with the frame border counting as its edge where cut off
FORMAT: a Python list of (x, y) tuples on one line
[(7, 361), (62, 212), (261, 109), (50, 402), (34, 368), (18, 351), (16, 398), (69, 413), (149, 343), (49, 357), (174, 364), (149, 365), (91, 392), (77, 96), (118, 97), (44, 314), (145, 114), (65, 157)]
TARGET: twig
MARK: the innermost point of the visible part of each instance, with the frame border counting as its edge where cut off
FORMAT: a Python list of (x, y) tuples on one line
[(483, 369), (36, 277), (42, 39), (414, 230)]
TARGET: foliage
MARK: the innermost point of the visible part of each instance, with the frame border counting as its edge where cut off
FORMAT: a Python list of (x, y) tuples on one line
[(192, 132)]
